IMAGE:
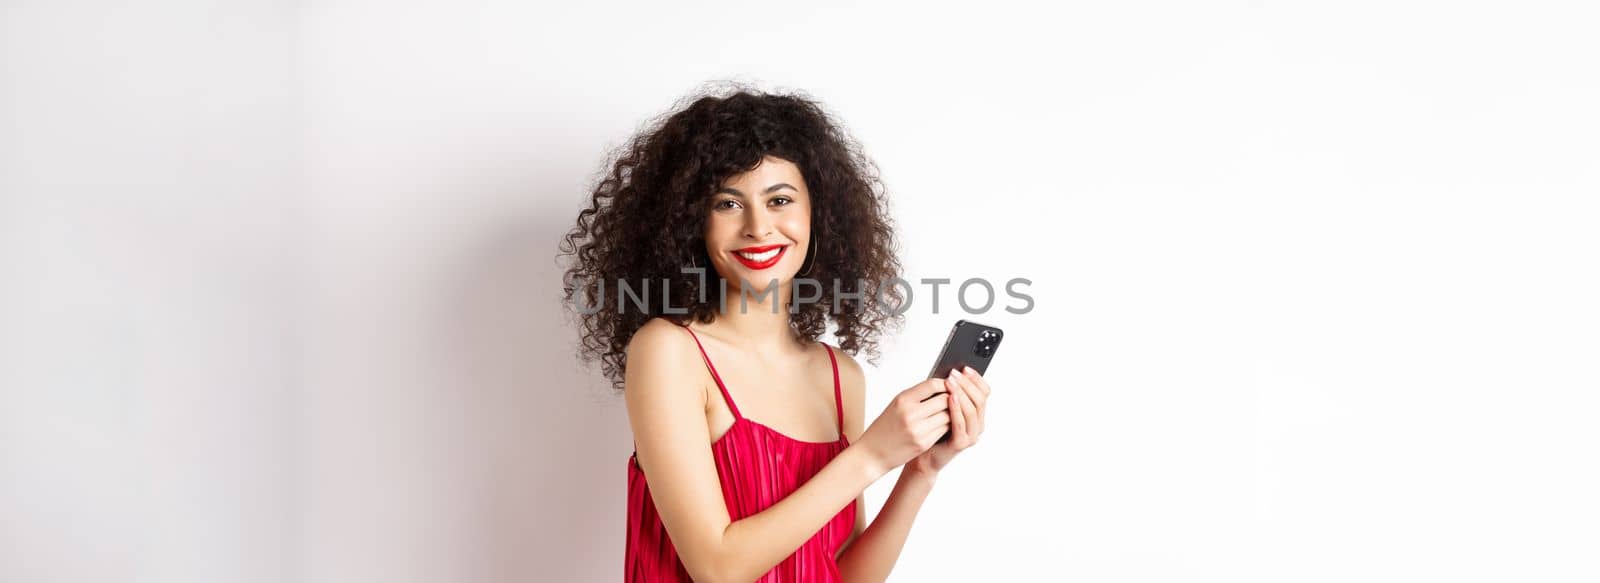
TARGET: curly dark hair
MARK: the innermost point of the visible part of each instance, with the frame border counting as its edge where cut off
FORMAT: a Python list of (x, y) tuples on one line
[(647, 214)]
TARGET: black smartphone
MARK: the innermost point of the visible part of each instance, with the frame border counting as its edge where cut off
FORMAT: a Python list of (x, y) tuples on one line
[(969, 344)]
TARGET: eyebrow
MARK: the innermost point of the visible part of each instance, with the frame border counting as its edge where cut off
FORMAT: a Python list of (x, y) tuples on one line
[(769, 190)]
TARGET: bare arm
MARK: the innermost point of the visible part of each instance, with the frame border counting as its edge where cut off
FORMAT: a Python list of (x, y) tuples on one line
[(666, 402), (872, 551)]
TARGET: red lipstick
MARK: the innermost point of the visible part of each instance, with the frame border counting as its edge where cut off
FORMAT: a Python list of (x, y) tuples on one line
[(760, 264)]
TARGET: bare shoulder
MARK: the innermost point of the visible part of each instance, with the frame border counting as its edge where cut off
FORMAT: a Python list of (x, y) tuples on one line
[(657, 336), (659, 356)]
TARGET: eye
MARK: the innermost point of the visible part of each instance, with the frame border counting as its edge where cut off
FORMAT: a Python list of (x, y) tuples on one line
[(722, 204), (786, 200)]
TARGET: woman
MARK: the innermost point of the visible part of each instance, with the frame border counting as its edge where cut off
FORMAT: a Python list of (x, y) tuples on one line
[(750, 457)]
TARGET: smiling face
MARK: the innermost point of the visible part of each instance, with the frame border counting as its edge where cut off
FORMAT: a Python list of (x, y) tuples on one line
[(759, 225)]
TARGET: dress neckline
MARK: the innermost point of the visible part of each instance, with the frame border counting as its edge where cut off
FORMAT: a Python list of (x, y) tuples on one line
[(774, 431), (633, 457)]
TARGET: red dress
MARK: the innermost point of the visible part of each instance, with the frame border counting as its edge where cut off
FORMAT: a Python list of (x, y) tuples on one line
[(758, 466)]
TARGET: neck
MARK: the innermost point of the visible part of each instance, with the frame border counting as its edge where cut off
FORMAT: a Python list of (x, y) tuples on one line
[(754, 324)]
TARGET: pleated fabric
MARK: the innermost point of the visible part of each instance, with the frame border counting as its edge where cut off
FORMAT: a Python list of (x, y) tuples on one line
[(757, 466)]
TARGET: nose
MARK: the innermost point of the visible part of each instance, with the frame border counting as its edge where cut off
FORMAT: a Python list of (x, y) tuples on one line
[(758, 225)]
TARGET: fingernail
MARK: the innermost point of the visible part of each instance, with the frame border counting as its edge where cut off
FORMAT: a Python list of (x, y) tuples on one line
[(970, 371)]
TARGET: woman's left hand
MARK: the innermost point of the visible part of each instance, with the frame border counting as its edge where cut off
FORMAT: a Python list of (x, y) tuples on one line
[(968, 394)]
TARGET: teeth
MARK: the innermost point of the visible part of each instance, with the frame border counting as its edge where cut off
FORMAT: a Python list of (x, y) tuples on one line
[(760, 256)]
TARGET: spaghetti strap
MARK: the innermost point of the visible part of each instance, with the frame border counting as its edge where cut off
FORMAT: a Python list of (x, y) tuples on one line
[(838, 402), (725, 396)]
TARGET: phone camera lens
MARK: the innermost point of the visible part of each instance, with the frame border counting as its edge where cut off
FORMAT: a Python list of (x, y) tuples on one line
[(986, 342)]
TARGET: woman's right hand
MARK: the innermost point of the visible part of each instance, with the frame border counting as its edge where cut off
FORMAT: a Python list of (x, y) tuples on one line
[(910, 425)]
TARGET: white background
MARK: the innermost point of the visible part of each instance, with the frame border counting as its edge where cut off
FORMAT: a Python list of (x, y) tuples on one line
[(1315, 285)]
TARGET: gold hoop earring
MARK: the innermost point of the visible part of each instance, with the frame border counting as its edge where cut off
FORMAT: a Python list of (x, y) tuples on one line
[(812, 256)]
